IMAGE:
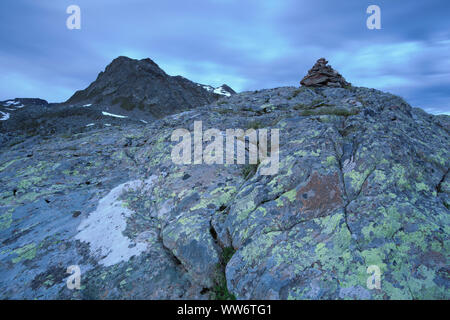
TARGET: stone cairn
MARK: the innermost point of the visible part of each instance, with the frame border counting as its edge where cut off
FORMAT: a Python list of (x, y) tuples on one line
[(321, 75)]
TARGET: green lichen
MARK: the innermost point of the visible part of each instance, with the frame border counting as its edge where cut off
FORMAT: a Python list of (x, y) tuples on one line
[(331, 161), (399, 176), (421, 187), (357, 178), (290, 195), (218, 197), (7, 164), (5, 221), (26, 252)]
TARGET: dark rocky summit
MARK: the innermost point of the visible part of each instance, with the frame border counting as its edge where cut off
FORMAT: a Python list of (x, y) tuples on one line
[(224, 90), (128, 90), (141, 84), (321, 74), (363, 181)]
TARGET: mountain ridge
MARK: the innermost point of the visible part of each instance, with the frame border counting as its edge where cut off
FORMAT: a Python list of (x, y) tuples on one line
[(130, 83)]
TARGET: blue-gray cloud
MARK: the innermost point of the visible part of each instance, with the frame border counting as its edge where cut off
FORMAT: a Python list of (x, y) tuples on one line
[(248, 44)]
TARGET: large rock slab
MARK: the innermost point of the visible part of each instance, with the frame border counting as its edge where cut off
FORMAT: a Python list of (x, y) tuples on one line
[(363, 181)]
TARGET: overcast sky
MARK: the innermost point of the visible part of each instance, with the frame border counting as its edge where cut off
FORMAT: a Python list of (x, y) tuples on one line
[(247, 44)]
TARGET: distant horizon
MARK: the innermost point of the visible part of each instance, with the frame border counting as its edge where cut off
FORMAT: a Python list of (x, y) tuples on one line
[(249, 46), (50, 101)]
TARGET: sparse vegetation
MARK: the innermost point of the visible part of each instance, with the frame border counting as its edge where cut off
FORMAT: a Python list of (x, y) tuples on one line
[(300, 106), (227, 254), (317, 103), (255, 125), (249, 170), (220, 289), (329, 111), (348, 87), (224, 111), (447, 205)]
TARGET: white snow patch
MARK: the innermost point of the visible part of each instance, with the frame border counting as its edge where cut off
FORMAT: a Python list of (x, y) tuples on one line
[(10, 109), (221, 91), (113, 115), (11, 102), (90, 124), (206, 87), (87, 105), (4, 116), (103, 228), (143, 121), (107, 125), (20, 107)]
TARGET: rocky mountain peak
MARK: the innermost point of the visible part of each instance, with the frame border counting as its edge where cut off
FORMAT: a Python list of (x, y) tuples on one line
[(129, 84), (122, 64), (225, 90), (322, 74)]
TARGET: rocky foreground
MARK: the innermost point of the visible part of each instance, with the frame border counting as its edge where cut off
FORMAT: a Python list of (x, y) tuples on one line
[(363, 181)]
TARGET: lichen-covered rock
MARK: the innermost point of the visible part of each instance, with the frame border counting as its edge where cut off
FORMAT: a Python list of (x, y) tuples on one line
[(362, 181)]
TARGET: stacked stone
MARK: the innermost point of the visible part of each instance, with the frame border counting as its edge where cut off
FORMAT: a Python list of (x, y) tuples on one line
[(323, 75)]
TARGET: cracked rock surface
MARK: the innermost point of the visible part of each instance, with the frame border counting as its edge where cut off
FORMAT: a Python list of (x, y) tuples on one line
[(363, 180)]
